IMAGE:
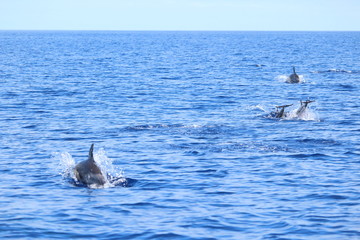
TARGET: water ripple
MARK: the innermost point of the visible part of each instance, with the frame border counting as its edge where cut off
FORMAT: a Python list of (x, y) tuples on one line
[(179, 117)]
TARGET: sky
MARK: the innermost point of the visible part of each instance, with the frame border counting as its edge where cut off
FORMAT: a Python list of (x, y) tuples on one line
[(182, 15)]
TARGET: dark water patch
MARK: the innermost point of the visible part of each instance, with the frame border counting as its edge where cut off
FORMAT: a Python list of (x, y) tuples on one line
[(166, 236), (30, 126), (350, 204), (213, 224), (324, 219), (325, 197), (207, 171), (213, 173), (171, 78), (353, 153), (171, 205), (275, 225), (309, 156), (346, 87), (221, 193), (62, 130), (193, 153), (338, 71), (71, 139), (353, 233), (319, 141), (10, 94), (54, 92), (348, 123), (154, 126)]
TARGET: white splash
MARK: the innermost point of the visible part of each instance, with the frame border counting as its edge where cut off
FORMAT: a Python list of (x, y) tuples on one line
[(282, 78), (257, 107), (307, 115), (114, 175), (66, 164)]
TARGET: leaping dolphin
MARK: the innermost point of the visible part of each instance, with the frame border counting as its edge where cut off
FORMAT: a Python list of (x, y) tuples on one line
[(88, 172), (294, 78), (280, 112), (303, 106)]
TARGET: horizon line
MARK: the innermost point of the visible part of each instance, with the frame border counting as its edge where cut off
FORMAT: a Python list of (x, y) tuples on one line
[(168, 30)]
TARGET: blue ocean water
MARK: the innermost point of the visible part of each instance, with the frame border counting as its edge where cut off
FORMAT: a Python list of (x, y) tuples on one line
[(183, 116)]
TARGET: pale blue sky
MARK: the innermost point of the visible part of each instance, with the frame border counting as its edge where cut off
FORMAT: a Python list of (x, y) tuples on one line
[(326, 15)]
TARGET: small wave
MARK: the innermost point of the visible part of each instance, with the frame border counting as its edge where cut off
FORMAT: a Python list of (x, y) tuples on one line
[(171, 78), (233, 147), (336, 71), (181, 128), (166, 236), (220, 193), (160, 126), (286, 79), (319, 141), (325, 196), (213, 173), (310, 155), (346, 87), (115, 176)]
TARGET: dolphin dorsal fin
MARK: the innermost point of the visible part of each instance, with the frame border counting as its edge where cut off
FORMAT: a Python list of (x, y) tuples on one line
[(91, 154), (294, 70)]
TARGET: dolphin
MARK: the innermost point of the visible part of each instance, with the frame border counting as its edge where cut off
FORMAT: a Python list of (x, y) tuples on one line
[(88, 172), (294, 78), (281, 113), (303, 106)]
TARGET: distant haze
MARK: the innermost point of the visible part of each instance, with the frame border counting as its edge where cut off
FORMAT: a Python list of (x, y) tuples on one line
[(258, 15)]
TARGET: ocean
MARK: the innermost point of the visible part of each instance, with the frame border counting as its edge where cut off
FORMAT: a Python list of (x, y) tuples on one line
[(184, 119)]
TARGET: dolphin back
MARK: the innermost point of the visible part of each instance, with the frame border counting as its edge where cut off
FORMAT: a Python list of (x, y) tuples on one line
[(88, 172), (91, 153), (294, 78)]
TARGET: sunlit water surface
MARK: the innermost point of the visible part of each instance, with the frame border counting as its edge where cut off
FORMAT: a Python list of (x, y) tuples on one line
[(181, 126)]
